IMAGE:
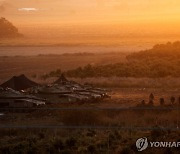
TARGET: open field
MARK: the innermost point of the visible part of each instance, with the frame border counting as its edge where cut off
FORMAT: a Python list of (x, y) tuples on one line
[(130, 82), (36, 66), (39, 65)]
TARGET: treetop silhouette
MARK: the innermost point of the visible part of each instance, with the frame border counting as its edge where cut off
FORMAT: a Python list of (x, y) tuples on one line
[(8, 30)]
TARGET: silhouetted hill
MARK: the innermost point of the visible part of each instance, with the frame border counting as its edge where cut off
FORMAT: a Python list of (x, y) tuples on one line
[(161, 61), (8, 30), (162, 51)]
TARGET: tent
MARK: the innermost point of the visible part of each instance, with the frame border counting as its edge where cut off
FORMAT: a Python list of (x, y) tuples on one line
[(19, 83), (62, 80)]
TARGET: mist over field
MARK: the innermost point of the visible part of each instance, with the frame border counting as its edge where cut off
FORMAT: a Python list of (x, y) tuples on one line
[(58, 39), (129, 26)]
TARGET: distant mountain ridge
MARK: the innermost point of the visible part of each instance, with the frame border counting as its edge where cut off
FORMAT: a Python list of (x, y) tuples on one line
[(8, 30)]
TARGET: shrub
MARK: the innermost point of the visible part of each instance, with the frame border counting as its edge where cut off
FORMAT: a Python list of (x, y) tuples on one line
[(157, 132), (58, 144), (127, 150), (92, 148), (71, 142)]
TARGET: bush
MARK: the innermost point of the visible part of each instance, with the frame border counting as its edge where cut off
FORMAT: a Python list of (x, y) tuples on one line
[(71, 142), (157, 132), (91, 148), (127, 151), (58, 144)]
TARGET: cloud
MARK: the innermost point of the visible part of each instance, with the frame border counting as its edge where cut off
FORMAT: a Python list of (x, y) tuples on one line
[(28, 9)]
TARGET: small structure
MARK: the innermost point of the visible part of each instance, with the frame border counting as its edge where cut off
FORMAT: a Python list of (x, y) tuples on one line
[(19, 83), (172, 100), (151, 97), (162, 102), (12, 98), (61, 80)]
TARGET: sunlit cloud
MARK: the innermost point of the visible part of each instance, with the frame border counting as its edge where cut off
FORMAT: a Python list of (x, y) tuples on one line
[(28, 9)]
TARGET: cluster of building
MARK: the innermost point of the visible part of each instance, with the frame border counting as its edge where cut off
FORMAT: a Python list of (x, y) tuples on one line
[(20, 91)]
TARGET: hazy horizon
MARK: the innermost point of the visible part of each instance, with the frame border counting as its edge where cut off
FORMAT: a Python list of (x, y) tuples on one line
[(127, 23)]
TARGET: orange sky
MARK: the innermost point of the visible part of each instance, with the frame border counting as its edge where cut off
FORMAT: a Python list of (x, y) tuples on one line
[(132, 16), (93, 11)]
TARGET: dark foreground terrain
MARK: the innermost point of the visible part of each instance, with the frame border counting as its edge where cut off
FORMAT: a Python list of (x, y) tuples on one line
[(69, 141), (99, 127)]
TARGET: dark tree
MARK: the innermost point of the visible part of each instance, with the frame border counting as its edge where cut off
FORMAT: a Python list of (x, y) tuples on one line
[(162, 102), (8, 30)]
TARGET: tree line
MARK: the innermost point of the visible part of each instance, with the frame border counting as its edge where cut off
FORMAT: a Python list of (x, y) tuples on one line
[(161, 61), (7, 29)]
